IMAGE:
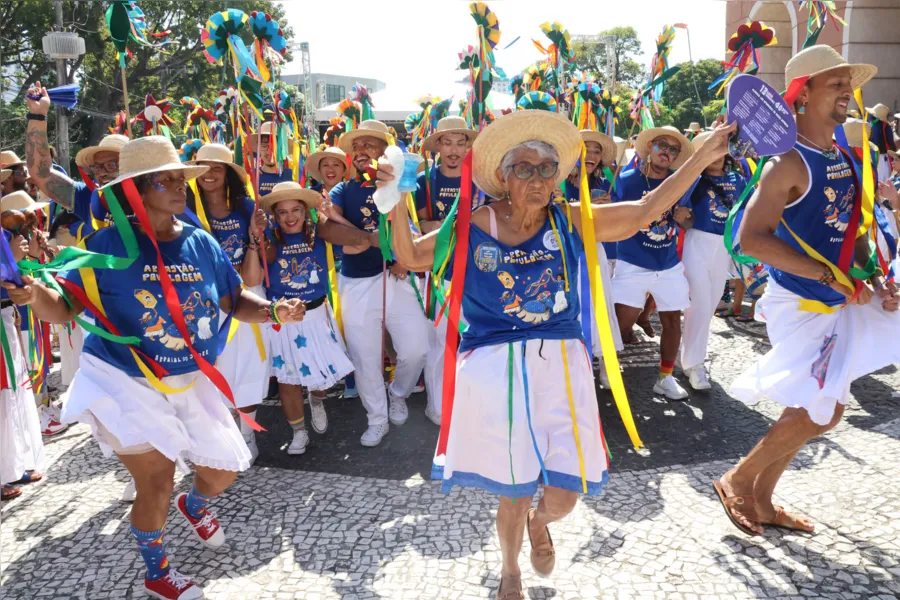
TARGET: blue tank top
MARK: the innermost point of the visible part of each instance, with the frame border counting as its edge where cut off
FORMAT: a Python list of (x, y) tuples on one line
[(820, 218), (518, 293), (711, 208), (299, 270)]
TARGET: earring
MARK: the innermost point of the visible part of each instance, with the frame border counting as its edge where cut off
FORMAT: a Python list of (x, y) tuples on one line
[(801, 110)]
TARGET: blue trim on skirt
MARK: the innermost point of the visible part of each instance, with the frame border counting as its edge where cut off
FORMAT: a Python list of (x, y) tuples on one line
[(519, 490)]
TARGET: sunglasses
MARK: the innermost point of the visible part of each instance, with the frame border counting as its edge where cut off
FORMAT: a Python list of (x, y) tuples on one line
[(662, 146), (525, 170)]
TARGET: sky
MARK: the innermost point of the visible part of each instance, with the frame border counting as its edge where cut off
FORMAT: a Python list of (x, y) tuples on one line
[(414, 44)]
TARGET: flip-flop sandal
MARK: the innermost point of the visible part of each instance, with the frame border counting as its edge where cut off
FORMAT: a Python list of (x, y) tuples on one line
[(745, 318), (725, 313), (728, 503), (30, 477), (515, 593), (9, 493), (783, 521)]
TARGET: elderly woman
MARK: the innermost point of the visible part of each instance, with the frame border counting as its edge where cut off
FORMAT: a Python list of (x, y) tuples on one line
[(525, 410), (147, 421)]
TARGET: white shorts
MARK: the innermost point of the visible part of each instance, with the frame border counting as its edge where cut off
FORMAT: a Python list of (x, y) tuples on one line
[(309, 353), (125, 412), (508, 447), (631, 285), (815, 357)]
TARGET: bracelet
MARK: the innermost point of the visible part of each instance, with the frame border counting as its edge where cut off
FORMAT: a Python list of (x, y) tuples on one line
[(828, 278), (35, 117), (273, 314)]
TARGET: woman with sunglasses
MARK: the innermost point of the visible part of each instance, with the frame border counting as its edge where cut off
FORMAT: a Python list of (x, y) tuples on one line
[(525, 406)]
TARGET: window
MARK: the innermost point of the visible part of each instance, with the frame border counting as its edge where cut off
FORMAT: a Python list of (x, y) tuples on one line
[(334, 93)]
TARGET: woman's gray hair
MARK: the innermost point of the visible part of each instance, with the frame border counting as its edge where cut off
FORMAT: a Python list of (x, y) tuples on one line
[(545, 152)]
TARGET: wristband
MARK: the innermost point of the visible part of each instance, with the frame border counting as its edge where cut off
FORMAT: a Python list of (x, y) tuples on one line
[(35, 117), (827, 278), (273, 314)]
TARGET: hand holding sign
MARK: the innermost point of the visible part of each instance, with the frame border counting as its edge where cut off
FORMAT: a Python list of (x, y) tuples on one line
[(766, 126)]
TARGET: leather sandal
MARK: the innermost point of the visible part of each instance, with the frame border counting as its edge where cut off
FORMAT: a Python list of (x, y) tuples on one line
[(731, 504), (543, 557), (9, 492), (513, 589)]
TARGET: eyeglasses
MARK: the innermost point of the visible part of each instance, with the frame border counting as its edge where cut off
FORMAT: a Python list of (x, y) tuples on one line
[(20, 170), (663, 146), (110, 166), (526, 170)]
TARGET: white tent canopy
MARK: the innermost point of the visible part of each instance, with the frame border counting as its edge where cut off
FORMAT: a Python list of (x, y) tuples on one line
[(395, 103)]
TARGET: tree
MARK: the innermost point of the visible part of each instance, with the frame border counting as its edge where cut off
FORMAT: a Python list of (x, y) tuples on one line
[(180, 69), (593, 58), (681, 94)]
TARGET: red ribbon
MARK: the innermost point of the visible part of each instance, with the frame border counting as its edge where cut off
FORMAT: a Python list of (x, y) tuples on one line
[(460, 256), (87, 179), (790, 96)]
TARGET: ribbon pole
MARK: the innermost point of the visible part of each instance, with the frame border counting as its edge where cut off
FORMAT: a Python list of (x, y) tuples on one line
[(125, 93)]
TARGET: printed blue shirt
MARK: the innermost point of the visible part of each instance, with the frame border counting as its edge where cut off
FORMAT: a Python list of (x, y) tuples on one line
[(267, 181), (518, 293), (299, 270), (598, 186), (232, 232), (710, 208), (359, 208), (443, 194), (82, 202), (653, 247), (201, 274)]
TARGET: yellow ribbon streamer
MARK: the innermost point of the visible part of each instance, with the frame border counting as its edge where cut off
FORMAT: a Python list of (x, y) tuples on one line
[(600, 309), (565, 359), (198, 202), (868, 180), (332, 283)]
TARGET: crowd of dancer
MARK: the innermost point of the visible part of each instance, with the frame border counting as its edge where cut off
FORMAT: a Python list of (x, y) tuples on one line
[(218, 279)]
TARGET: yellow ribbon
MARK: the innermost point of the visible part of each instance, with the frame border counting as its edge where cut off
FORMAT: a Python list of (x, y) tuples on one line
[(198, 202), (332, 283), (79, 233), (565, 359), (868, 180), (600, 309), (562, 250), (93, 294)]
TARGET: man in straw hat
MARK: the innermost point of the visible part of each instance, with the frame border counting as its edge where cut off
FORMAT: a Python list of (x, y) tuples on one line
[(372, 300), (647, 264), (824, 333), (269, 176), (434, 199), (100, 162), (17, 178), (693, 130)]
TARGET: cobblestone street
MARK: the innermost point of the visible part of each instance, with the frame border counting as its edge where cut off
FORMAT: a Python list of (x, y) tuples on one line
[(343, 521)]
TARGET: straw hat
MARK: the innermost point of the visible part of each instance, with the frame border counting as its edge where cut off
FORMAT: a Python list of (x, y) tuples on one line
[(820, 59), (218, 153), (853, 129), (289, 190), (516, 128), (4, 174), (694, 127), (448, 125), (621, 146), (879, 111), (698, 141), (152, 154), (607, 145), (648, 135), (9, 159), (312, 162), (110, 143), (19, 201), (371, 128)]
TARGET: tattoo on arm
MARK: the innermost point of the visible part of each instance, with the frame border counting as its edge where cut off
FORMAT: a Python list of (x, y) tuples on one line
[(52, 183)]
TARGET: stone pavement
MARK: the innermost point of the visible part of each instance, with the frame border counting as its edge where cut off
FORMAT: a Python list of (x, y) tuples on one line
[(347, 522)]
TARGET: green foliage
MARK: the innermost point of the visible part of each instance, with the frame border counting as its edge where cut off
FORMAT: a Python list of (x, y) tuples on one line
[(593, 58)]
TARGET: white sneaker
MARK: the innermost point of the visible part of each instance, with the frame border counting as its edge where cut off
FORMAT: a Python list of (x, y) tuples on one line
[(397, 411), (49, 424), (373, 435), (318, 418), (668, 387), (129, 493), (433, 416), (603, 376), (698, 378), (252, 447), (299, 443)]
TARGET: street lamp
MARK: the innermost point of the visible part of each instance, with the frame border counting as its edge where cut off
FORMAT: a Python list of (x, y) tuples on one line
[(693, 75), (62, 45)]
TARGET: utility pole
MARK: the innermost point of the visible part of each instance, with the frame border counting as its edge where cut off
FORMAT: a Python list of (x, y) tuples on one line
[(62, 120)]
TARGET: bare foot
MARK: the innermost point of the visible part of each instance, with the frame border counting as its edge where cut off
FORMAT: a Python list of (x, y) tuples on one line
[(647, 327), (734, 489)]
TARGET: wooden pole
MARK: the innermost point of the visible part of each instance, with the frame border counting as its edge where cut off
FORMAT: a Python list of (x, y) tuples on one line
[(127, 112)]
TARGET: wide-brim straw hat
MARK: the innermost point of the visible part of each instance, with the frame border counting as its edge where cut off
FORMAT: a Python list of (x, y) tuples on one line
[(314, 159), (110, 143), (289, 190), (701, 137), (607, 144), (20, 200), (820, 59), (370, 128), (853, 130), (152, 154), (879, 111), (5, 174), (218, 153), (694, 128), (445, 126), (516, 128), (642, 144), (9, 159)]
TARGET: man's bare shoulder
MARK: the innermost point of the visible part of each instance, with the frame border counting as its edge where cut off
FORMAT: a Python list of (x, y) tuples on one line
[(786, 174)]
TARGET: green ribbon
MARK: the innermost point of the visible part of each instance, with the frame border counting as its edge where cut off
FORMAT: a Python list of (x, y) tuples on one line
[(742, 259), (7, 354), (611, 178), (384, 237)]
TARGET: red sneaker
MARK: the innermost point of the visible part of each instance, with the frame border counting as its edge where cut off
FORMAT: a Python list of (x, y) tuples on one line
[(173, 586), (207, 527), (50, 424)]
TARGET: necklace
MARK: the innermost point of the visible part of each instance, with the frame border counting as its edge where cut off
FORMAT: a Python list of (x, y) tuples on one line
[(831, 154)]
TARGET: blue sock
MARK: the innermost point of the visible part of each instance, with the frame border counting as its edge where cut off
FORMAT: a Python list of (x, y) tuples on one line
[(195, 503), (153, 550), (350, 382)]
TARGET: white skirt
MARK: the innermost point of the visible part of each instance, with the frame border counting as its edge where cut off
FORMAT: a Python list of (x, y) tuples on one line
[(815, 357), (246, 371), (193, 424), (70, 345), (310, 353), (21, 446), (510, 450)]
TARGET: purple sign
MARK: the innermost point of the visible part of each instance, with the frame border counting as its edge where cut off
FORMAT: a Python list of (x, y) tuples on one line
[(766, 126), (8, 269)]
